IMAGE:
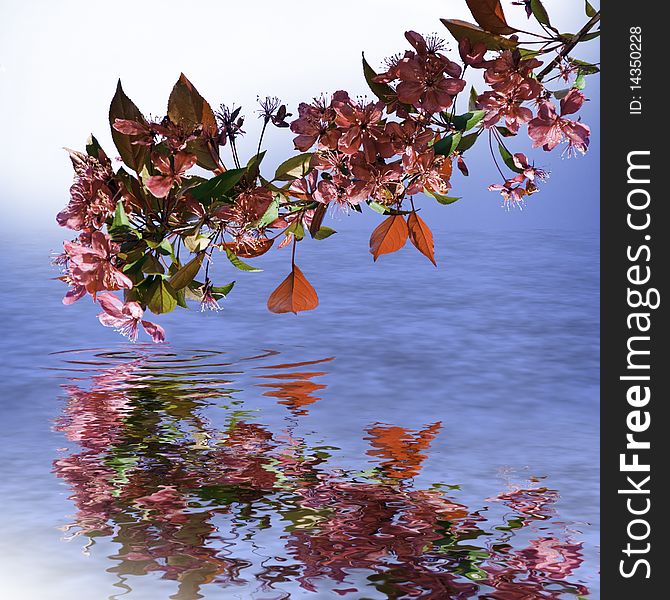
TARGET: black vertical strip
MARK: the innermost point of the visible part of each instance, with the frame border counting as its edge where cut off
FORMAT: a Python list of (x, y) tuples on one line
[(635, 354)]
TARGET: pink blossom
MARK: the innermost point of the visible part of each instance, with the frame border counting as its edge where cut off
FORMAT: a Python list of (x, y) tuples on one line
[(160, 185), (91, 267), (529, 171), (91, 198), (508, 106), (360, 126), (548, 129), (342, 190), (316, 123), (512, 191), (304, 187), (509, 71), (431, 172), (423, 84), (126, 317), (472, 55)]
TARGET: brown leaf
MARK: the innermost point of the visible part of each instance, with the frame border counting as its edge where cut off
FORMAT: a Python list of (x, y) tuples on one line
[(462, 29), (489, 14), (389, 236), (122, 107), (294, 294), (421, 236), (317, 219), (186, 107), (249, 248)]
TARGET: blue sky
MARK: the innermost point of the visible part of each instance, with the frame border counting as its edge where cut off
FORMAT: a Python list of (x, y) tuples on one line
[(59, 63)]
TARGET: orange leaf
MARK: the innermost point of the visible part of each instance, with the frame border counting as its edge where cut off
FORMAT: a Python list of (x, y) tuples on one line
[(389, 236), (294, 294), (489, 14), (421, 236)]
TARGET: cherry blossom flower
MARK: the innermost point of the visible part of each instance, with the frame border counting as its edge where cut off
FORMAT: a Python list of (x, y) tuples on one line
[(160, 185), (548, 129), (92, 268), (472, 55), (91, 198), (360, 126), (316, 123), (423, 85), (431, 172), (208, 301), (508, 106), (512, 191), (304, 187), (126, 318), (252, 204), (509, 70), (529, 171)]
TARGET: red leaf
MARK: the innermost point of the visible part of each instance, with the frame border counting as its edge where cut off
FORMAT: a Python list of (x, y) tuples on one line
[(489, 14), (389, 236), (421, 236), (294, 294)]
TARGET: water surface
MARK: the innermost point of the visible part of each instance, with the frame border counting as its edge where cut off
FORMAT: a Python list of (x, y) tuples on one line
[(425, 433)]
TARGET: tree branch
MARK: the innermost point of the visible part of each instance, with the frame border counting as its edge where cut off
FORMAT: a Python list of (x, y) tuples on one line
[(570, 45)]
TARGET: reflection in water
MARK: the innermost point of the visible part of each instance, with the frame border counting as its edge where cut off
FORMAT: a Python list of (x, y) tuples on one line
[(239, 505)]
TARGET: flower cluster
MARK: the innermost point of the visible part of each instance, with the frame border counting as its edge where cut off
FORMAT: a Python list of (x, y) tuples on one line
[(151, 228)]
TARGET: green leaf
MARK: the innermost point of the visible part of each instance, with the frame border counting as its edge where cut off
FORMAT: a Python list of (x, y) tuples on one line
[(254, 167), (590, 11), (151, 265), (508, 159), (505, 132), (120, 217), (590, 36), (164, 246), (442, 199), (161, 297), (181, 298), (580, 82), (540, 13), (223, 290), (467, 141), (294, 167), (447, 144), (472, 99), (297, 229), (197, 242), (528, 53), (383, 209), (187, 273), (383, 91), (323, 233), (270, 215), (560, 94), (93, 148), (237, 263), (464, 30), (135, 156), (218, 186), (468, 120), (584, 67)]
